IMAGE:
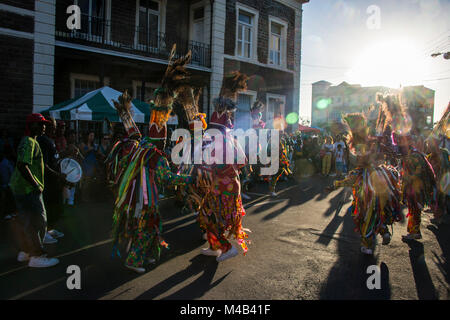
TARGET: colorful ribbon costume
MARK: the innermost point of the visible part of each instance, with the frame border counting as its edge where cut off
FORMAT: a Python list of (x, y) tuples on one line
[(222, 210), (376, 195), (137, 219)]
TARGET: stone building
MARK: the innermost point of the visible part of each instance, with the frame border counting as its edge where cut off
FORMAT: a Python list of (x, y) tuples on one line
[(330, 102), (125, 45)]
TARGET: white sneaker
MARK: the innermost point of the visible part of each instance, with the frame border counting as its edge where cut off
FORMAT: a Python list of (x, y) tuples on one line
[(56, 234), (48, 239), (211, 253), (366, 251), (233, 252), (135, 269), (151, 261), (23, 256), (273, 194), (42, 262), (412, 236), (244, 196)]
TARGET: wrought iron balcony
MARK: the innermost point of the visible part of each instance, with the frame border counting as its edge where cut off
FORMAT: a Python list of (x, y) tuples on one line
[(101, 33)]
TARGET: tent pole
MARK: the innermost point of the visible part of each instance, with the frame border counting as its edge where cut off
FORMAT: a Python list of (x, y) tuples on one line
[(77, 130)]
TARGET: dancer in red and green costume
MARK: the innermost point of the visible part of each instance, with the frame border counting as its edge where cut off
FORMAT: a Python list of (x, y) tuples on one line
[(137, 220), (120, 155), (418, 180), (376, 196), (284, 166), (222, 207), (419, 187)]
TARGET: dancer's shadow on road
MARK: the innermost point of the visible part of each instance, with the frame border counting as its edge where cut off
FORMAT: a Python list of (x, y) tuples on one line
[(424, 284), (347, 279), (336, 205), (194, 290), (305, 191), (443, 237)]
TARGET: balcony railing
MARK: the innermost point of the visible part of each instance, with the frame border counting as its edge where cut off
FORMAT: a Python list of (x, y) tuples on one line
[(99, 32)]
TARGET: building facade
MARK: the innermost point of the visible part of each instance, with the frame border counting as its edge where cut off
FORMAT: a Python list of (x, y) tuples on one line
[(329, 102), (125, 45)]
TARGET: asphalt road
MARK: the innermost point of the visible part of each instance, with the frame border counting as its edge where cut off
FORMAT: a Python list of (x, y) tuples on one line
[(303, 247)]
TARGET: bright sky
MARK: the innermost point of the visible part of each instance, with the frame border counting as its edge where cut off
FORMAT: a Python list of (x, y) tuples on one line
[(339, 46)]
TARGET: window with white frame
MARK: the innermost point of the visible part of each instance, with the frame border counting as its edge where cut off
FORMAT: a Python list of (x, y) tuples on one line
[(82, 84), (149, 21), (277, 42), (243, 119), (94, 17), (148, 93), (197, 32), (198, 26), (245, 34), (81, 87), (275, 109)]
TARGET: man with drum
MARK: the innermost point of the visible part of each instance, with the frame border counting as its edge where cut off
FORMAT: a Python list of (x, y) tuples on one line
[(53, 181)]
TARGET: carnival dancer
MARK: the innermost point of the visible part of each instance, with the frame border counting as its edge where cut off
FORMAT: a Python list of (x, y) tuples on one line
[(222, 207), (121, 153), (418, 185), (284, 166), (186, 108), (137, 220), (438, 156), (251, 172), (418, 180), (376, 197)]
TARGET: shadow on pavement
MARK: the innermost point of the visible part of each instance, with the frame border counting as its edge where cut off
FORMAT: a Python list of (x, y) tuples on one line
[(443, 263), (86, 244), (347, 279), (195, 289), (336, 205), (292, 200), (424, 284)]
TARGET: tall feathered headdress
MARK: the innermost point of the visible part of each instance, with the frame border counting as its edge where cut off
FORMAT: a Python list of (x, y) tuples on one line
[(186, 107), (256, 109), (391, 115), (358, 133), (123, 107), (175, 78), (233, 83), (256, 113)]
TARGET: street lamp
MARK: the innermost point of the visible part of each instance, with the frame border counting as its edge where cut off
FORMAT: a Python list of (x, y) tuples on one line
[(445, 54)]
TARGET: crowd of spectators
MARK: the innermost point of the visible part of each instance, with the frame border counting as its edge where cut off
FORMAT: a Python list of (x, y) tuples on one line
[(328, 155), (21, 168)]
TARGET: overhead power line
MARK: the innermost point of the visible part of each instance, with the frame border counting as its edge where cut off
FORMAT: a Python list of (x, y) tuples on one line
[(323, 67)]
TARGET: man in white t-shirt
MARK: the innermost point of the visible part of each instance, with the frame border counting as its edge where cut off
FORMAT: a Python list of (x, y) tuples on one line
[(340, 142), (339, 155)]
